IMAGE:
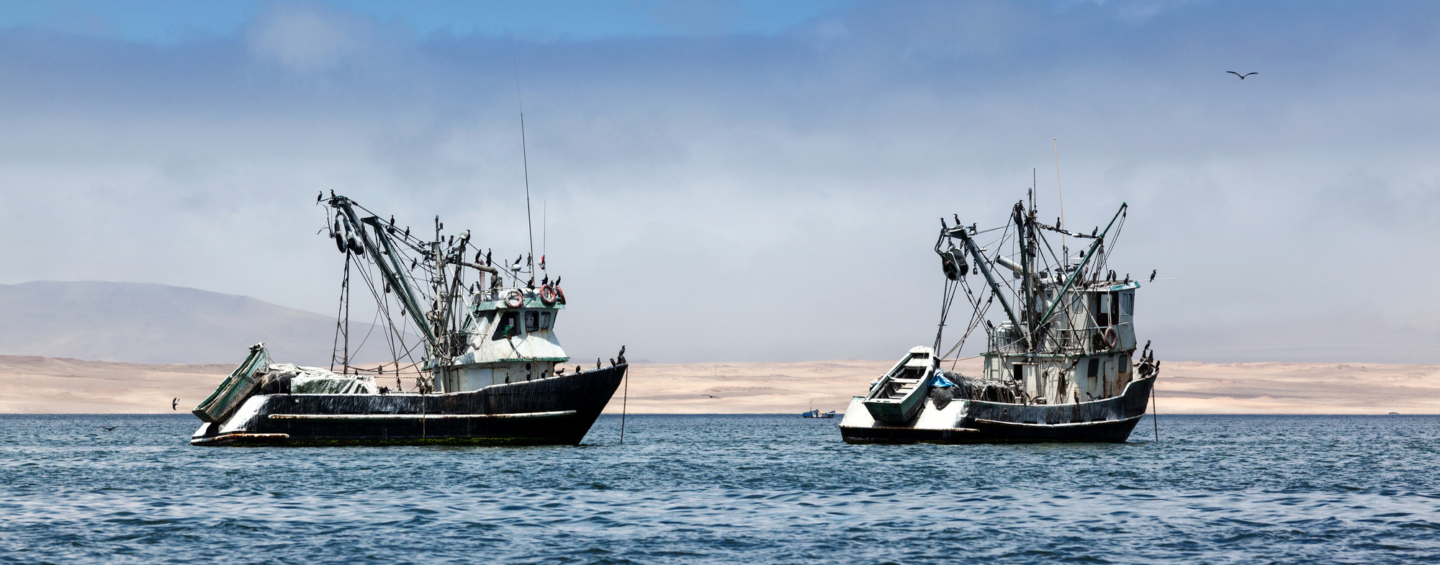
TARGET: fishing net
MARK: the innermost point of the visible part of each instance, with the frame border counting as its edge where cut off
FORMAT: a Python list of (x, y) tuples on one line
[(293, 379)]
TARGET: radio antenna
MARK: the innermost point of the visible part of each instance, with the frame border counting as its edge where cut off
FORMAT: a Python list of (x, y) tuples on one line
[(1062, 200), (525, 158)]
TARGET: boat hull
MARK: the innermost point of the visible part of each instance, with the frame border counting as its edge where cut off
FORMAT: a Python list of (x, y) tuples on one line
[(552, 411), (974, 421)]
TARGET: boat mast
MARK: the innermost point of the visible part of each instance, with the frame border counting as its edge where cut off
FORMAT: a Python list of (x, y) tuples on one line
[(392, 270), (1083, 262), (1027, 282), (985, 269)]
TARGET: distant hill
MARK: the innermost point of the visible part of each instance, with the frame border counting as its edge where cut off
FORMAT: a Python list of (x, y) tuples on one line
[(155, 324)]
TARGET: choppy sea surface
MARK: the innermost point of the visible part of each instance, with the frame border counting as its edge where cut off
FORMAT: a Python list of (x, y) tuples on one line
[(727, 489)]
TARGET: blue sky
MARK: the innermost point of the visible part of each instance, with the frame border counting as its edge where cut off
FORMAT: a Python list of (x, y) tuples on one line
[(171, 21), (724, 181)]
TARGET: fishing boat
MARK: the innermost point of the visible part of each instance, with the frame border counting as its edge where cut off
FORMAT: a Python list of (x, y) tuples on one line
[(476, 337), (816, 413), (1060, 366)]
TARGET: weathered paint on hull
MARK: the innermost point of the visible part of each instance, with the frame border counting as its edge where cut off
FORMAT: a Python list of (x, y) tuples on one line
[(1110, 420), (552, 411)]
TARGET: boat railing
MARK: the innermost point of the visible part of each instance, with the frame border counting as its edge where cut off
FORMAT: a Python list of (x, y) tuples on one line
[(1082, 341)]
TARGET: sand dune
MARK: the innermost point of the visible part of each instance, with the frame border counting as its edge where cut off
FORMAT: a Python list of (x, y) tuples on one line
[(32, 385)]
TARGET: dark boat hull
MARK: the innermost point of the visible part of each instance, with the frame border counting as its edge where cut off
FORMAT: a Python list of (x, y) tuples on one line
[(1109, 420), (552, 411)]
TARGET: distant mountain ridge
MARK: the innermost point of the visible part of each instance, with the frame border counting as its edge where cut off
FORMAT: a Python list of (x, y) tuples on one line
[(154, 324)]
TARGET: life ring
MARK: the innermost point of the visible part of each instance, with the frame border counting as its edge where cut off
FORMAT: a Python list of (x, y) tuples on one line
[(1110, 338), (547, 295), (559, 295), (514, 299)]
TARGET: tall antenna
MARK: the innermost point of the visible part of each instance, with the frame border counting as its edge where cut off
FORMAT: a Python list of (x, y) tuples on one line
[(544, 232), (1062, 200), (525, 157)]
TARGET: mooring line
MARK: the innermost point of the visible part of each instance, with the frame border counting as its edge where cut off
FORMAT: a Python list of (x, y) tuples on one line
[(1154, 412), (624, 400)]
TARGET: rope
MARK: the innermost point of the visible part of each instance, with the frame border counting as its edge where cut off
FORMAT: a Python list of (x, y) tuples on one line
[(624, 402)]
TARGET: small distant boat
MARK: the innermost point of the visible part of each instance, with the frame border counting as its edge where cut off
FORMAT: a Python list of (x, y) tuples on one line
[(816, 413)]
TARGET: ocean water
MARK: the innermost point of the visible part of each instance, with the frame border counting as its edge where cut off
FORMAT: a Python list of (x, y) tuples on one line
[(727, 489)]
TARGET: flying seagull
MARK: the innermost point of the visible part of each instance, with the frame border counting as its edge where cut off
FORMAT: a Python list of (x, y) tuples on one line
[(109, 428), (1242, 77), (174, 404), (709, 396)]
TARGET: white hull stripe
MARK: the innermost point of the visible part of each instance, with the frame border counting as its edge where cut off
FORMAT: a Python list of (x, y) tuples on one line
[(347, 417)]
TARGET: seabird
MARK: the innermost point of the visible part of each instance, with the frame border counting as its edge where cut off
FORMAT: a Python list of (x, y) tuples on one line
[(557, 281), (319, 197), (392, 219), (1152, 274), (1242, 77), (709, 396), (174, 404), (109, 428), (488, 252), (1094, 231)]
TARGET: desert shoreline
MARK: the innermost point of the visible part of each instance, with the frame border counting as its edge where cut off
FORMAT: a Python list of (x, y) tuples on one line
[(45, 385)]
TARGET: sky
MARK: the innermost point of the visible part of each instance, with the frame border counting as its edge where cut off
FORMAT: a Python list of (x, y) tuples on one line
[(746, 180)]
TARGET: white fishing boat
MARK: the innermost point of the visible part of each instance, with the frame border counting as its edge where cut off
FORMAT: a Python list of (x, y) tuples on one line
[(1060, 366)]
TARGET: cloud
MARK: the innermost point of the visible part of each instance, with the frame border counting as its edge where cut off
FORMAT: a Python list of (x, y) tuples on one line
[(306, 37)]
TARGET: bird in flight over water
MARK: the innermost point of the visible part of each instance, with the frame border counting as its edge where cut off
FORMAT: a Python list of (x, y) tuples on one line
[(109, 428), (709, 396), (1242, 77), (174, 403)]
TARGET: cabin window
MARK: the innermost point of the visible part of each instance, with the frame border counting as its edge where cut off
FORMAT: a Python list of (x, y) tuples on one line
[(506, 327), (532, 321), (546, 319), (1127, 306), (1017, 372), (1094, 369), (1114, 307), (1102, 310)]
